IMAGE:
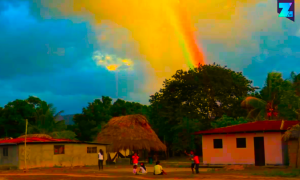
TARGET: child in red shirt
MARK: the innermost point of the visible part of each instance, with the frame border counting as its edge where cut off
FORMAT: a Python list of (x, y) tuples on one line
[(135, 159), (197, 162)]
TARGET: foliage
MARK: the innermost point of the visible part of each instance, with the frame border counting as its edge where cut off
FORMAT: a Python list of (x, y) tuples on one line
[(63, 135), (46, 120), (98, 113), (203, 93), (13, 115), (41, 117), (229, 121), (266, 103), (183, 137)]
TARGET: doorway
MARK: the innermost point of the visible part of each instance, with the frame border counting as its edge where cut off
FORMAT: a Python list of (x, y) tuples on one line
[(259, 151)]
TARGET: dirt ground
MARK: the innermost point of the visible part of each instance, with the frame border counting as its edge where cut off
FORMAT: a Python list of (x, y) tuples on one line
[(125, 172)]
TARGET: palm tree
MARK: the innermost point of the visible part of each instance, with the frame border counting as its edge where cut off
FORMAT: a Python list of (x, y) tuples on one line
[(265, 107), (293, 133), (46, 120)]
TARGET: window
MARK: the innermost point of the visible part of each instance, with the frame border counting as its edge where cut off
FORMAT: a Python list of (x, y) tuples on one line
[(240, 142), (5, 151), (91, 149), (218, 143), (59, 149)]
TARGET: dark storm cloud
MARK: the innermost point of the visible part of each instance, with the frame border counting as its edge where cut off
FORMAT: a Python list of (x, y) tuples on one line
[(30, 47)]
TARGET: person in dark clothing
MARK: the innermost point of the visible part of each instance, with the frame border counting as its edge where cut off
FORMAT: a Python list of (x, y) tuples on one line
[(191, 157), (100, 159)]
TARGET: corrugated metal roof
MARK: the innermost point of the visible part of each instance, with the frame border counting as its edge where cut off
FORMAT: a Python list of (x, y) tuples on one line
[(40, 140), (34, 139), (269, 125)]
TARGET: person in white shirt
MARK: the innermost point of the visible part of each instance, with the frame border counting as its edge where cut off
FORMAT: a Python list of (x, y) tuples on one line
[(100, 159), (143, 169)]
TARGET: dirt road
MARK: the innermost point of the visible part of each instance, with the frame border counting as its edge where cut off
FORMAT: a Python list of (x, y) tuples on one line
[(122, 173)]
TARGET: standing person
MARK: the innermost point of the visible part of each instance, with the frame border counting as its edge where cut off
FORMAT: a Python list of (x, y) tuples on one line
[(191, 155), (197, 162), (135, 159), (100, 159), (158, 170)]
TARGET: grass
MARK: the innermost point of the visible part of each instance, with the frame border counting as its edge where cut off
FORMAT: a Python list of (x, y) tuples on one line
[(8, 167), (277, 173)]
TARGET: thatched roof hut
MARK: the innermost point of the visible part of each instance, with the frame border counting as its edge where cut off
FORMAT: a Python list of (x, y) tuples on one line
[(37, 136), (129, 132), (292, 135)]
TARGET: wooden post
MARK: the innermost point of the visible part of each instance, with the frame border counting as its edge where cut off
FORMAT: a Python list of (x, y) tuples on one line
[(25, 144)]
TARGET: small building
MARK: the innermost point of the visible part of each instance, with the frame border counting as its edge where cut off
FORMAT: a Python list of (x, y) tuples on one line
[(259, 143), (49, 152), (292, 137)]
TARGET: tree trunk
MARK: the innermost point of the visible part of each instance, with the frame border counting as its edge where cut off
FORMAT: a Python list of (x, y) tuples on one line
[(298, 151)]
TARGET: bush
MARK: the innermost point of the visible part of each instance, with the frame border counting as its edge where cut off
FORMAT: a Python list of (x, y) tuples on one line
[(228, 121)]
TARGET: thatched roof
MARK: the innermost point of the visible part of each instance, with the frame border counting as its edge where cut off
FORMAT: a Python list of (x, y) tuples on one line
[(37, 135), (292, 133), (129, 132)]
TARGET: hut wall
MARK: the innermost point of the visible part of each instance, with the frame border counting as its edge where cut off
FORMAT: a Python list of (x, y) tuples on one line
[(42, 155), (12, 155), (230, 154), (292, 148)]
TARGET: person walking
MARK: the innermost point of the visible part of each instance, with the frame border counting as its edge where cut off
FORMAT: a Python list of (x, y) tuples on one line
[(191, 155), (100, 159), (197, 162)]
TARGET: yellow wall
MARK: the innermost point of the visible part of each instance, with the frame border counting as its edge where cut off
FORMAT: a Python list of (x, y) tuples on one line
[(42, 155), (230, 154)]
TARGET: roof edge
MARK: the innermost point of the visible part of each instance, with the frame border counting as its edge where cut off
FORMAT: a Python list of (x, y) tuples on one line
[(58, 142), (239, 132)]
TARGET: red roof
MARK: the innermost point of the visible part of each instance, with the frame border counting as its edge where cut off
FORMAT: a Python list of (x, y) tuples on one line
[(34, 139), (252, 127)]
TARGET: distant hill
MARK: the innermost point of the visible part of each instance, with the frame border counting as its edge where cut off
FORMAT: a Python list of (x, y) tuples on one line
[(68, 119)]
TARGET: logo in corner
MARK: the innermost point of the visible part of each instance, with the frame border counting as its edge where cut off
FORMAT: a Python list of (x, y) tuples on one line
[(286, 8)]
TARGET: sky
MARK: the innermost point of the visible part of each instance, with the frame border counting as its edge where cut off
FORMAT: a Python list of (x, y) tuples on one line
[(70, 52)]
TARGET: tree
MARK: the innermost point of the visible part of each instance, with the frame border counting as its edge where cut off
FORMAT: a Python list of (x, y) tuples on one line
[(13, 115), (46, 120), (204, 93), (289, 106), (122, 108), (266, 107), (229, 121), (90, 122)]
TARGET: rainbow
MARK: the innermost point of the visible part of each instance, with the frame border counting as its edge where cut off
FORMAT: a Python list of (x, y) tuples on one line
[(183, 29)]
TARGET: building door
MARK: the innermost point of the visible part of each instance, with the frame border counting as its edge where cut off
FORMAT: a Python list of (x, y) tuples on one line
[(259, 151)]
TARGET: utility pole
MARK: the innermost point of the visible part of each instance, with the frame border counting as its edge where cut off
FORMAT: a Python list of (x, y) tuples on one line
[(25, 145)]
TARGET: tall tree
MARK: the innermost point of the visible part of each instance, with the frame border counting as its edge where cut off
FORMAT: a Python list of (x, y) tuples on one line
[(289, 107), (12, 121), (266, 107), (203, 93), (93, 117), (46, 120)]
